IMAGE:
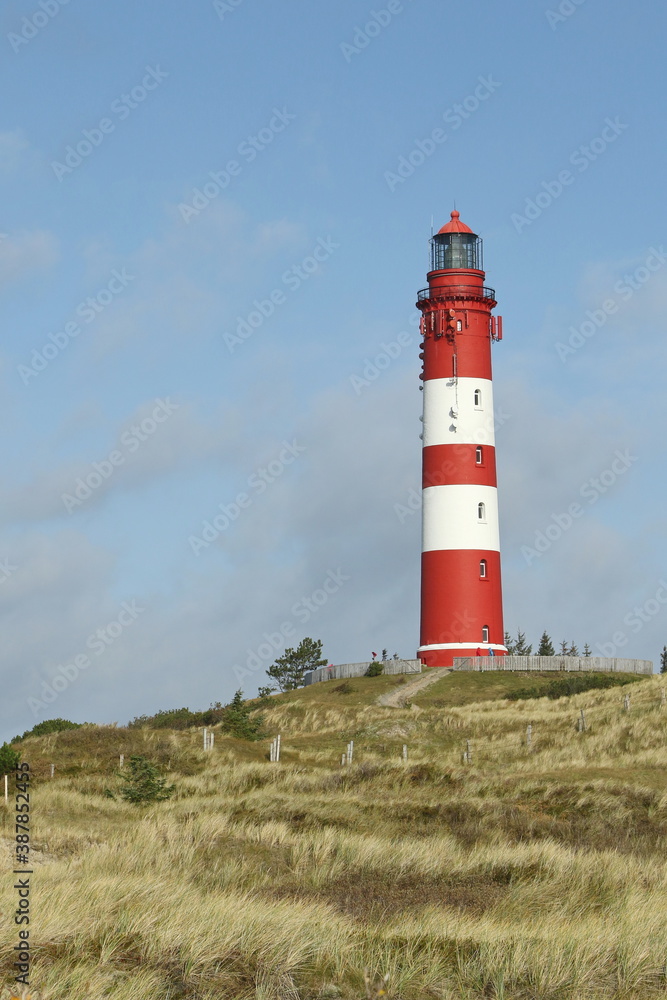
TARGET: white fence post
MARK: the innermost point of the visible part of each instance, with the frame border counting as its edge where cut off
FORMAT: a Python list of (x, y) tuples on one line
[(468, 752), (350, 751), (53, 769), (343, 759), (211, 741), (626, 703), (205, 739), (529, 735), (405, 752), (278, 747)]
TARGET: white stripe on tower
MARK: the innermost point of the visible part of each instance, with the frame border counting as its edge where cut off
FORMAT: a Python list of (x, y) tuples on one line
[(451, 415), (453, 519)]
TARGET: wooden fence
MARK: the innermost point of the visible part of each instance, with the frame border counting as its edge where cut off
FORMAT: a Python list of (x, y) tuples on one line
[(342, 671), (544, 664)]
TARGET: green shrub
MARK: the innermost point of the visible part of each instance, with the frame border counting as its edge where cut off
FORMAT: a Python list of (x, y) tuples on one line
[(571, 684), (49, 726), (9, 759), (237, 721), (169, 718), (233, 718), (144, 783), (375, 669)]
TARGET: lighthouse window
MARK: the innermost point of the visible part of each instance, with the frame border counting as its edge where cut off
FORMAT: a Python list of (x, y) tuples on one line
[(478, 399), (459, 324), (478, 455), (485, 634), (481, 511), (482, 569)]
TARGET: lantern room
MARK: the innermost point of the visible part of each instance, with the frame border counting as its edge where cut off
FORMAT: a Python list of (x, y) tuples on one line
[(456, 247)]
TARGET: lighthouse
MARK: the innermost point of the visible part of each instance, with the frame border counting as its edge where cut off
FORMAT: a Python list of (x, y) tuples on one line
[(461, 592)]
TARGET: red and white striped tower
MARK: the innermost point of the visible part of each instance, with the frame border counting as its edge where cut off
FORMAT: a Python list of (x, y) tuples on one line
[(461, 596)]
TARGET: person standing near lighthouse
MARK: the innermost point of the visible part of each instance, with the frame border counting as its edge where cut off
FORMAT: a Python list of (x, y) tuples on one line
[(461, 591)]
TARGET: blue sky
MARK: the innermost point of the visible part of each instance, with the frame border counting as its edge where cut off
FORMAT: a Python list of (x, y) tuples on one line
[(217, 371)]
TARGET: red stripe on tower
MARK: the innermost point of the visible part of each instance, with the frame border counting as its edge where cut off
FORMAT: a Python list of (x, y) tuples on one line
[(461, 596)]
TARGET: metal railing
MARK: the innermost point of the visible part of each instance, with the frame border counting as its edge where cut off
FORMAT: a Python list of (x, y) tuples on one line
[(457, 291)]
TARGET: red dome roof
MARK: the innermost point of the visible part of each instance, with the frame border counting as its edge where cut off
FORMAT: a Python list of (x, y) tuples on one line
[(455, 226)]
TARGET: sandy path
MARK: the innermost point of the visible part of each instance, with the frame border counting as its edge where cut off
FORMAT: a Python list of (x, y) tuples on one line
[(398, 698)]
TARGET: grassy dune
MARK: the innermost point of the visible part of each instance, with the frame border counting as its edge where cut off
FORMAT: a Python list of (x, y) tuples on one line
[(534, 872)]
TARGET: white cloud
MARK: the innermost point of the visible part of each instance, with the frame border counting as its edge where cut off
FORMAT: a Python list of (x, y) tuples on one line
[(26, 252)]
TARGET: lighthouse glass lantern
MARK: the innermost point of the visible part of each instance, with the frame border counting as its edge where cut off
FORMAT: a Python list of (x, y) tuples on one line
[(454, 250), (461, 591)]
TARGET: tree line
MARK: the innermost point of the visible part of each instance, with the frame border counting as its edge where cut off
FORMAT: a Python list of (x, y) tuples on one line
[(519, 646)]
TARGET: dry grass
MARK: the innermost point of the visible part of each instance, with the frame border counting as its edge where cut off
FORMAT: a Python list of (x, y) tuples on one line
[(534, 873)]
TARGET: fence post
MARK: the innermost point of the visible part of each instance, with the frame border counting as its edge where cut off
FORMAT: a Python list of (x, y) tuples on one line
[(529, 735), (350, 751), (277, 747), (205, 740), (468, 752), (122, 759), (626, 703), (405, 752), (53, 769), (582, 722), (343, 759), (212, 741)]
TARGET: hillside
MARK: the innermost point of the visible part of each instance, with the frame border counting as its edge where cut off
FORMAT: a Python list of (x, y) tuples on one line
[(530, 871)]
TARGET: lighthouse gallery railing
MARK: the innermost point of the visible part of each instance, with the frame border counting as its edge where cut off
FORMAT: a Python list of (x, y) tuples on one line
[(462, 291)]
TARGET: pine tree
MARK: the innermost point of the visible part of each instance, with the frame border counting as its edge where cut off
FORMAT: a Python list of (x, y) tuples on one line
[(564, 648), (663, 660), (289, 669), (237, 721), (573, 651), (9, 759), (510, 645), (546, 646), (521, 649), (144, 782), (587, 649)]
